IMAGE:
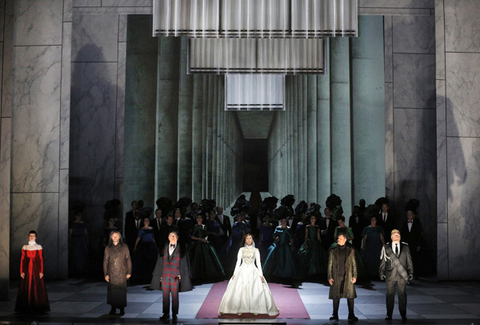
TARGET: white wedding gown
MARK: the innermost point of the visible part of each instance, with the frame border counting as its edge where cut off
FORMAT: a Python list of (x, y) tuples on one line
[(246, 293)]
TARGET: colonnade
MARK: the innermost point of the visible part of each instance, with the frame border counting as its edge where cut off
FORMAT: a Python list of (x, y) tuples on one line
[(195, 147), (330, 138)]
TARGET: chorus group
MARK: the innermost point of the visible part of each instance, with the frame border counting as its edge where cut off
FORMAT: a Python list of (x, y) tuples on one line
[(179, 245)]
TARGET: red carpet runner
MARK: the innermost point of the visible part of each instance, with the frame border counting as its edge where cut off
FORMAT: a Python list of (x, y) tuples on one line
[(286, 298)]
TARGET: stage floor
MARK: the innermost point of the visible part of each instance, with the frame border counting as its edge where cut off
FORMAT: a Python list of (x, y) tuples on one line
[(429, 302)]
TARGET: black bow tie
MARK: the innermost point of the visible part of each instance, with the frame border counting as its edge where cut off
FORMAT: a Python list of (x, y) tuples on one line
[(410, 221), (171, 245)]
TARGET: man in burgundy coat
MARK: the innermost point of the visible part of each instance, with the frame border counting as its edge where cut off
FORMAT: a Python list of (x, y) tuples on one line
[(172, 274)]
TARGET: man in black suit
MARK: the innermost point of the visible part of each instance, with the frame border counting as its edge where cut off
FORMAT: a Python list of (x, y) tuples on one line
[(225, 225), (396, 268), (133, 222), (327, 229), (357, 222), (385, 219), (412, 232), (166, 229), (157, 223)]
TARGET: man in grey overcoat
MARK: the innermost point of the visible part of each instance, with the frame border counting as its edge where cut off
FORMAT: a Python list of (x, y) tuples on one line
[(342, 275)]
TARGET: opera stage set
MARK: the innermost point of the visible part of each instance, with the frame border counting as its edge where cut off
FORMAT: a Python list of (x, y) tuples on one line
[(139, 99)]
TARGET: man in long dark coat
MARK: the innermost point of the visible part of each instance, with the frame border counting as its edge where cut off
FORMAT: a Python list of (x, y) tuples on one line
[(172, 274), (342, 274)]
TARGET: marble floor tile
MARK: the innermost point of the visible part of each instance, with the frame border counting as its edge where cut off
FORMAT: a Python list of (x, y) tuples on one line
[(472, 308), (73, 307), (441, 291), (437, 309), (464, 298), (137, 297), (422, 299)]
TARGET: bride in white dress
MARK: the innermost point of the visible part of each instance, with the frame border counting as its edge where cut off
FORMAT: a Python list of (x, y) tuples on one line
[(247, 290)]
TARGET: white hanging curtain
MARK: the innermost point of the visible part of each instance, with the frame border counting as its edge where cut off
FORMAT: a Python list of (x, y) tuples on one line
[(255, 18), (193, 18), (234, 55), (254, 92), (318, 18)]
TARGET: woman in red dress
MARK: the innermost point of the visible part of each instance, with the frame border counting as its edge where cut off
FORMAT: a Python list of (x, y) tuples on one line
[(32, 295)]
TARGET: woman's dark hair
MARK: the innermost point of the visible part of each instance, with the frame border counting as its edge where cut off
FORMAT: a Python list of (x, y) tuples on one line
[(32, 232), (110, 241), (341, 218)]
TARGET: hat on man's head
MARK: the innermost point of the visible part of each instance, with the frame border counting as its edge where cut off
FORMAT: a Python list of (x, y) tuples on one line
[(395, 231)]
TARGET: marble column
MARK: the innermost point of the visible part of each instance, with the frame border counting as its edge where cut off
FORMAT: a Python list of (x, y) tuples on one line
[(197, 137), (323, 134), (140, 108), (214, 150), (205, 113), (167, 117), (341, 122), (293, 160), (368, 110), (311, 139), (185, 119)]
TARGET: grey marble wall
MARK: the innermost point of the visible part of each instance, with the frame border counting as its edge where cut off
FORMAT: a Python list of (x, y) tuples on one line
[(413, 100), (458, 135), (38, 102), (98, 60), (6, 54)]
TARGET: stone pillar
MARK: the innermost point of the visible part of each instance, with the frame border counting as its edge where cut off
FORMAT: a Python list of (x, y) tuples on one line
[(198, 107), (167, 117), (324, 168), (293, 186), (341, 122), (209, 141), (205, 113), (311, 139), (368, 110), (214, 150), (140, 107), (185, 119), (304, 146)]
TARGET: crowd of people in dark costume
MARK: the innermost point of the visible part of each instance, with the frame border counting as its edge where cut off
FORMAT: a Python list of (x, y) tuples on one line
[(294, 242)]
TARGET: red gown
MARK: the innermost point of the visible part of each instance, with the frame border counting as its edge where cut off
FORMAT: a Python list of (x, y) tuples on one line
[(32, 294)]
